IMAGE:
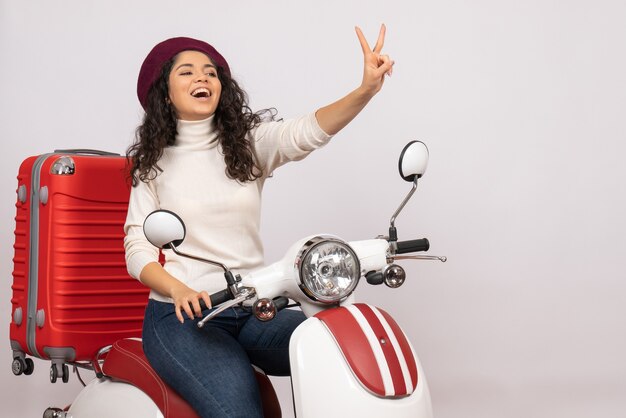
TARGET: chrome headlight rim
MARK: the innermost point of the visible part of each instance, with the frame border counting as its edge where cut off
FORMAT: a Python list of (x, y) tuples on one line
[(311, 245)]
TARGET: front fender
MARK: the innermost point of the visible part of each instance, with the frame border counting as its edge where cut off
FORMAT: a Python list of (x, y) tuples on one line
[(322, 371)]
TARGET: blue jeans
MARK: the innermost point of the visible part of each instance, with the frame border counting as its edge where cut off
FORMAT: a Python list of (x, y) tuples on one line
[(210, 367)]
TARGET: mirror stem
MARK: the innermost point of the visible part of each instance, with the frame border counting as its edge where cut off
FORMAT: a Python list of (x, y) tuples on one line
[(231, 281), (404, 202), (215, 263)]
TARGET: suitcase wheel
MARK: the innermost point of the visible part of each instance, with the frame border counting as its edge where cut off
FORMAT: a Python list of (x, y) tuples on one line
[(20, 365), (64, 372)]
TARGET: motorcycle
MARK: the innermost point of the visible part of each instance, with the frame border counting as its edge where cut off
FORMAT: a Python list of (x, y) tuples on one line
[(347, 358)]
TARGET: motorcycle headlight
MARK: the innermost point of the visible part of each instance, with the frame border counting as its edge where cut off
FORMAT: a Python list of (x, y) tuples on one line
[(328, 269)]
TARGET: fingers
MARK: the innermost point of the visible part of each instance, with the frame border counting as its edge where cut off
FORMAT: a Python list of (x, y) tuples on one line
[(206, 298), (179, 314), (364, 45), (190, 305), (385, 64), (381, 39), (380, 42), (196, 307), (376, 64), (186, 307)]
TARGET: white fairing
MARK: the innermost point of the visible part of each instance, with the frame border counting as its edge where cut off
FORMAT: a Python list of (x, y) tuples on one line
[(103, 398), (279, 278), (414, 159), (372, 253), (324, 385)]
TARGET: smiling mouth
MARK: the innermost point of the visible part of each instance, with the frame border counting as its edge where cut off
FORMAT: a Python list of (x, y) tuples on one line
[(201, 93)]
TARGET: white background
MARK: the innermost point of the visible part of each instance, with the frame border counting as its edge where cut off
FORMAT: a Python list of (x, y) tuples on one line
[(522, 105)]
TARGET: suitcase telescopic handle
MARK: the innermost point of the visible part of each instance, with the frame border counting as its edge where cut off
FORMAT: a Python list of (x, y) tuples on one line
[(84, 151)]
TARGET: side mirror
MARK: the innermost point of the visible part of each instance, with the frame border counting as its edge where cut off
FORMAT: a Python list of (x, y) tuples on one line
[(413, 161), (164, 228), (412, 165)]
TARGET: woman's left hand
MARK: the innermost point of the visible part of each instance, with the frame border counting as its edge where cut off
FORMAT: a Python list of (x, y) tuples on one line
[(376, 65), (334, 117)]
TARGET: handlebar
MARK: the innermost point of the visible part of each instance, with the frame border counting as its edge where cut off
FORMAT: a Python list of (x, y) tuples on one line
[(222, 296), (412, 246), (281, 303), (217, 298)]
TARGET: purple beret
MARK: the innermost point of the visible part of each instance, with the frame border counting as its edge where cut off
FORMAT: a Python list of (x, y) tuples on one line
[(164, 51)]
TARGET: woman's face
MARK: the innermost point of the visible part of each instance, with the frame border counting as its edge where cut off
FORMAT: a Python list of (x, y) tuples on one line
[(194, 88)]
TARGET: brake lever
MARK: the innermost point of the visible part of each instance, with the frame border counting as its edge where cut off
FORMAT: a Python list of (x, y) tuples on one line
[(244, 294), (420, 257)]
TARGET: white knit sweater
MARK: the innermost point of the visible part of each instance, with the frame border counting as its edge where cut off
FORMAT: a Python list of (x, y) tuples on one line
[(222, 216)]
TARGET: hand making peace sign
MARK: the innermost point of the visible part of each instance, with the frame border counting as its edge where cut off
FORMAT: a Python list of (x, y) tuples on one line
[(335, 116), (376, 65)]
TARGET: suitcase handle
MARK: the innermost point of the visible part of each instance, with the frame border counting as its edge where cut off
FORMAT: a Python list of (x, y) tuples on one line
[(84, 151)]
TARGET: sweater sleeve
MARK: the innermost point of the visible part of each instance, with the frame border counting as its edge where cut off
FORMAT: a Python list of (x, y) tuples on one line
[(279, 142), (139, 252)]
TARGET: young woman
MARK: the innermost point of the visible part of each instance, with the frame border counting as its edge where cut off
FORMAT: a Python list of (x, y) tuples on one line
[(202, 153)]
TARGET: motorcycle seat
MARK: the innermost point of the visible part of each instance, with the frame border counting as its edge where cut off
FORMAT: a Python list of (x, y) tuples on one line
[(127, 362)]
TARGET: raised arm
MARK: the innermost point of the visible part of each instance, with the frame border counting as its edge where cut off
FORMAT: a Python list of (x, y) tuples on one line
[(335, 116)]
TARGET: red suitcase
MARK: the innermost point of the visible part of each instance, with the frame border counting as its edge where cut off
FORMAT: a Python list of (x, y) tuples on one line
[(71, 292)]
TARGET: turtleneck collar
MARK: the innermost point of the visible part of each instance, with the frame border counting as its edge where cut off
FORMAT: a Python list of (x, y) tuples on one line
[(196, 135)]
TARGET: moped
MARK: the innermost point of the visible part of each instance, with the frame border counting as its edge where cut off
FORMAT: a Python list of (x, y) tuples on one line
[(347, 359)]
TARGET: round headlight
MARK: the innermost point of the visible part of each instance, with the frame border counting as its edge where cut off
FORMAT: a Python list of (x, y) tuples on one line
[(328, 269)]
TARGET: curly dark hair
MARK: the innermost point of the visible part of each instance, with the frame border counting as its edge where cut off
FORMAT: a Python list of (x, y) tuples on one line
[(233, 121)]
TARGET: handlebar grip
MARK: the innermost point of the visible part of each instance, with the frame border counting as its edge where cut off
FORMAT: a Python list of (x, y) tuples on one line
[(281, 303), (217, 298), (413, 246), (375, 277)]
